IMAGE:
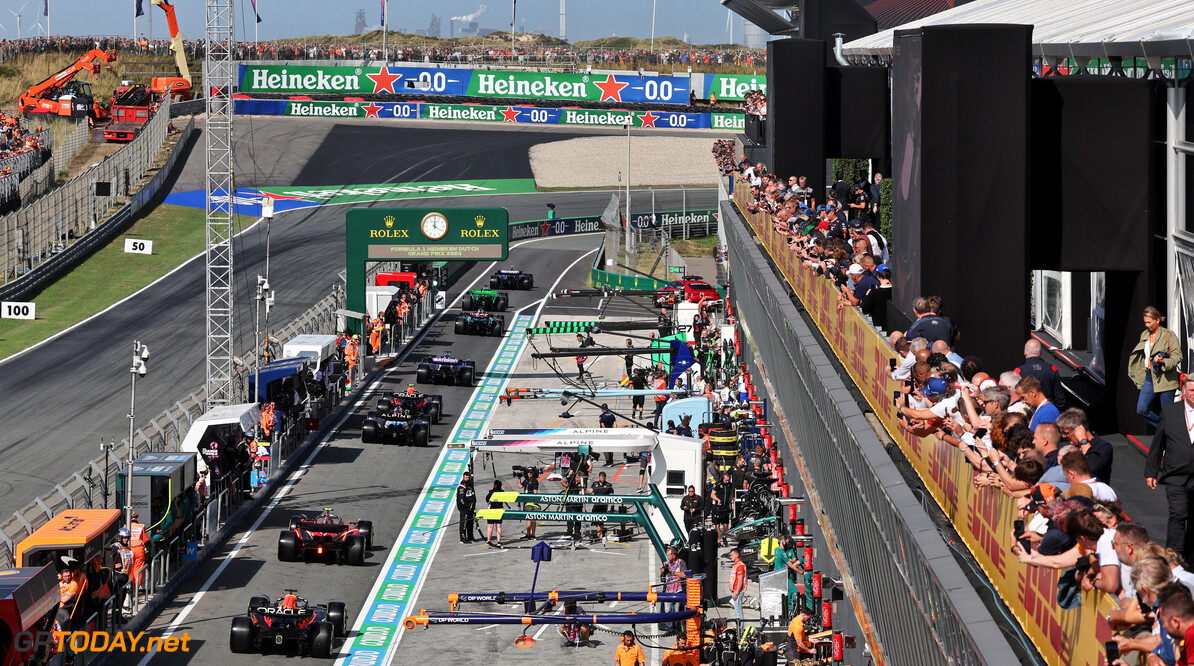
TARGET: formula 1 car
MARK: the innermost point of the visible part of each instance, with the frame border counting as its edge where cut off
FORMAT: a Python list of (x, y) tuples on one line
[(487, 299), (326, 537), (446, 370), (429, 407), (291, 624), (480, 323), (511, 279), (397, 425)]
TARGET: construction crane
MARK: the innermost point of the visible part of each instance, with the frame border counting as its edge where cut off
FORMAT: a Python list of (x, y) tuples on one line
[(178, 87), (61, 96)]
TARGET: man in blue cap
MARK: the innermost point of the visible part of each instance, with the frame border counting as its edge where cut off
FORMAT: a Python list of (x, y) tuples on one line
[(942, 402)]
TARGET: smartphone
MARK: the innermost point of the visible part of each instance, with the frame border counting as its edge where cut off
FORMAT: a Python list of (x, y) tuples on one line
[(892, 363), (895, 398), (1018, 528), (980, 433), (1112, 649)]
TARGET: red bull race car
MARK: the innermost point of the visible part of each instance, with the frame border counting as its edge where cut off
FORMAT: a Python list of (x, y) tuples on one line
[(289, 624), (325, 537)]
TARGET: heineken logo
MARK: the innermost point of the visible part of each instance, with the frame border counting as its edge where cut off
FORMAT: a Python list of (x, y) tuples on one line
[(325, 109), (735, 86), (265, 78), (445, 112), (597, 117), (730, 121), (512, 86)]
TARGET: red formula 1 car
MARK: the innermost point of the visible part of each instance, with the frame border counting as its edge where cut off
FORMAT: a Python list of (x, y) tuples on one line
[(325, 537), (289, 624)]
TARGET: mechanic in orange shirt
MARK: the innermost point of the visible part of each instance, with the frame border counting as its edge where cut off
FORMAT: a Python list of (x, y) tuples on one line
[(629, 653)]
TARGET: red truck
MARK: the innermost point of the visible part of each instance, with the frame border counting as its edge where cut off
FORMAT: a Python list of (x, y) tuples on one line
[(131, 109)]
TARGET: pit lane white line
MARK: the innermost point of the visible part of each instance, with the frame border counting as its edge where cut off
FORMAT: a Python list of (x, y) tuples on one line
[(297, 474), (343, 656)]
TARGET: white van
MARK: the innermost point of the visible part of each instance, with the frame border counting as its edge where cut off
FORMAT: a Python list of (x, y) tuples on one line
[(321, 347), (377, 299), (224, 425)]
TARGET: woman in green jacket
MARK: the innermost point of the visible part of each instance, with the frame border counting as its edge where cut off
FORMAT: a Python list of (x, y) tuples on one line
[(1153, 366)]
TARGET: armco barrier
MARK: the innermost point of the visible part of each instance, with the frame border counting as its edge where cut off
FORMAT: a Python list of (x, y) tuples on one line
[(31, 281), (36, 234), (983, 517), (656, 118), (919, 605)]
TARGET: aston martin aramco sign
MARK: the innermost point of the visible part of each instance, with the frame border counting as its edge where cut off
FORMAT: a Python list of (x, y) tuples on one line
[(420, 234)]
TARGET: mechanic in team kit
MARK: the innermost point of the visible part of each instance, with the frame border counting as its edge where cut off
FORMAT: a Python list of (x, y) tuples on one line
[(497, 488), (607, 420), (602, 487), (466, 504)]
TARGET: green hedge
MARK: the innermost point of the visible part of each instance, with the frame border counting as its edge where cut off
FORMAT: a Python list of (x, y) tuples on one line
[(885, 196)]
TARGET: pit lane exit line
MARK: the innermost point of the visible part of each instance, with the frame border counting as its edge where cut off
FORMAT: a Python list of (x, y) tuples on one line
[(378, 629)]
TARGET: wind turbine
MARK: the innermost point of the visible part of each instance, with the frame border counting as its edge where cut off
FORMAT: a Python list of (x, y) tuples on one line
[(18, 15)]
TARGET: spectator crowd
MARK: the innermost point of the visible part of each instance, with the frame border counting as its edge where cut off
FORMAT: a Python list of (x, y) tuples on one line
[(1011, 425)]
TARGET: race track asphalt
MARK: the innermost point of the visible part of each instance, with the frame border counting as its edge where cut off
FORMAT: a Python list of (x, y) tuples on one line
[(360, 481), (63, 397)]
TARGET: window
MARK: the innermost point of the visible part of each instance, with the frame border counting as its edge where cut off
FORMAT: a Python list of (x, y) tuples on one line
[(1051, 305)]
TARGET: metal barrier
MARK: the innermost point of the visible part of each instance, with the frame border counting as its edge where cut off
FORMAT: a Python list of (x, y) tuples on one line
[(922, 608), (36, 232), (70, 145)]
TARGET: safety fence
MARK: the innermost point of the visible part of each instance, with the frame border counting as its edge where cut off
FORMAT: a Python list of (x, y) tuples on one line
[(982, 517), (919, 603), (69, 145), (36, 233)]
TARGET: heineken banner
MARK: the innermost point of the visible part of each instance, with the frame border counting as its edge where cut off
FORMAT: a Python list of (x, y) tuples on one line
[(727, 87), (377, 79), (496, 114), (672, 218), (558, 227)]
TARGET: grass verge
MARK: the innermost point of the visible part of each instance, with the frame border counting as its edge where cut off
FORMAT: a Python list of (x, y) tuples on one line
[(178, 233), (696, 247)]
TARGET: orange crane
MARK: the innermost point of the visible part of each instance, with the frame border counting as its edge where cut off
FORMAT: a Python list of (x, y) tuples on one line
[(178, 87), (61, 96)]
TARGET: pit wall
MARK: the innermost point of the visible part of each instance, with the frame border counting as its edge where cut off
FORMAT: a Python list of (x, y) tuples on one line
[(982, 517)]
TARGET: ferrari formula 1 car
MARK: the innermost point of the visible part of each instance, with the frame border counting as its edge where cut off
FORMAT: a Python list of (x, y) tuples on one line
[(446, 370), (397, 425), (325, 537), (480, 323), (511, 279), (289, 624), (487, 299)]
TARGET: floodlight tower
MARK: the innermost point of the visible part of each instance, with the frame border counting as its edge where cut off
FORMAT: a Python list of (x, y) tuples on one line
[(220, 195)]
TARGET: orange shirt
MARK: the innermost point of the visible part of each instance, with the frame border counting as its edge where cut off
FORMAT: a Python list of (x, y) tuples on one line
[(677, 657), (629, 656), (738, 578)]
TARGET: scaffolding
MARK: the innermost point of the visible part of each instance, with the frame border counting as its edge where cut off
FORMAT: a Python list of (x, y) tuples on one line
[(220, 193)]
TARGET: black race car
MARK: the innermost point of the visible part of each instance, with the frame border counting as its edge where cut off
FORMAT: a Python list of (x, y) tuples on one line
[(511, 279), (480, 323), (289, 624), (397, 425), (325, 537), (446, 370), (487, 299), (423, 405)]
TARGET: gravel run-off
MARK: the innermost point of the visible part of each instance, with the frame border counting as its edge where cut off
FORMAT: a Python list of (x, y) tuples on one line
[(601, 162)]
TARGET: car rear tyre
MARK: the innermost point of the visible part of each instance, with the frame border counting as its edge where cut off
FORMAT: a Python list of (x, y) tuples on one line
[(423, 375), (288, 549), (338, 616), (433, 412), (524, 282), (356, 550), (321, 641), (366, 529), (493, 282), (420, 435), (470, 376), (240, 638), (370, 433), (459, 328), (468, 301), (503, 302)]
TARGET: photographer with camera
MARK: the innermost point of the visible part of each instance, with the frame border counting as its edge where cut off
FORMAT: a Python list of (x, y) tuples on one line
[(1153, 366)]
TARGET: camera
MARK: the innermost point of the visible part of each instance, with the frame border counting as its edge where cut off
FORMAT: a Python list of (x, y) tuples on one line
[(519, 471), (1159, 366)]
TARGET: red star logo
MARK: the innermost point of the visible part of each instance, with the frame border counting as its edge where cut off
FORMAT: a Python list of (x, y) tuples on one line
[(383, 80), (546, 227), (648, 119), (371, 110), (611, 89), (510, 114)]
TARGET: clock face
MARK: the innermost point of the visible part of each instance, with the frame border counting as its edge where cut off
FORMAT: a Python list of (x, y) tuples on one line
[(434, 226)]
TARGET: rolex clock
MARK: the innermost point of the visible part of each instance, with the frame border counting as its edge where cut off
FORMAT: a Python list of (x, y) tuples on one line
[(434, 226)]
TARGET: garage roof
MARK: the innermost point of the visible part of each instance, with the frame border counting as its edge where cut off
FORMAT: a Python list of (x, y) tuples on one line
[(1068, 28)]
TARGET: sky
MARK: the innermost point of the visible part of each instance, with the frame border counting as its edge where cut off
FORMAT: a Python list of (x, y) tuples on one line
[(704, 20)]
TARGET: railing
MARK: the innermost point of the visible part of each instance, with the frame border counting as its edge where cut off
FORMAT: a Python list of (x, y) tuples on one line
[(70, 145), (982, 517), (37, 232)]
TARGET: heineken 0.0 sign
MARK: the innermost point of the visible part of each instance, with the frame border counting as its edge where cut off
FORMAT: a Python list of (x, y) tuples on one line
[(420, 234)]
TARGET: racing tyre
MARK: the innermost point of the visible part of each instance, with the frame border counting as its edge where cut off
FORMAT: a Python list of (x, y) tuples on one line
[(370, 433), (503, 302), (257, 602), (493, 282), (495, 329), (356, 550), (524, 282), (470, 376), (288, 547), (321, 640), (433, 412), (240, 638), (420, 434), (366, 529), (459, 328), (468, 301), (423, 374), (338, 617)]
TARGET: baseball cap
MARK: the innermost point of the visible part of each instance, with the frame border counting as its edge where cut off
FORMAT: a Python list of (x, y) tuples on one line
[(882, 267), (987, 383), (1042, 494), (855, 269), (935, 386)]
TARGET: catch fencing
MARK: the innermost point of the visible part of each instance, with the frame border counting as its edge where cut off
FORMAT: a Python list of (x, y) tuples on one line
[(36, 233), (921, 607)]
